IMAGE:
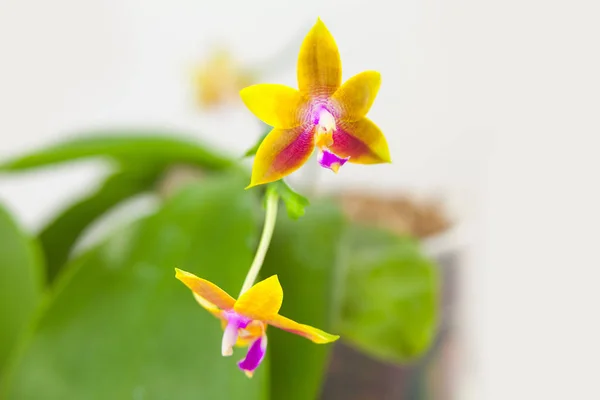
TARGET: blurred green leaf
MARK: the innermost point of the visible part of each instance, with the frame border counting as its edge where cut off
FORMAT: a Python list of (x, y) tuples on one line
[(125, 147), (20, 284), (304, 254), (294, 202), (122, 327), (390, 308), (59, 236)]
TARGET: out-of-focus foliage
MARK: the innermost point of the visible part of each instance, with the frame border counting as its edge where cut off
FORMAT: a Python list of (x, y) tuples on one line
[(129, 147), (391, 295), (60, 235), (20, 284), (117, 324), (305, 255), (120, 326), (143, 156)]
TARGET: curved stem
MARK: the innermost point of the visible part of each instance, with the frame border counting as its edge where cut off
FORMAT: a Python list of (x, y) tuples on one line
[(272, 200)]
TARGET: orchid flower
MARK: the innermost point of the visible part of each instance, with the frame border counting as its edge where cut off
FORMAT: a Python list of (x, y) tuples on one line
[(323, 113), (219, 78), (245, 320)]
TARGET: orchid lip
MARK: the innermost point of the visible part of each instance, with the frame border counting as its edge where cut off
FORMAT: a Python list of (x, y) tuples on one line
[(254, 357), (331, 161)]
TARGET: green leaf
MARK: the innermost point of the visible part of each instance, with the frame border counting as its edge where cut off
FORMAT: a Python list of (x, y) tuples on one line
[(304, 254), (390, 308), (252, 150), (125, 147), (294, 202), (20, 284), (122, 327), (59, 236)]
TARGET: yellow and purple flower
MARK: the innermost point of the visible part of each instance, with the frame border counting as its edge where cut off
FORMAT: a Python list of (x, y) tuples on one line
[(323, 113), (245, 320)]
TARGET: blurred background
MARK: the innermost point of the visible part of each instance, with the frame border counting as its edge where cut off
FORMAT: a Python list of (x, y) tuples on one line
[(490, 110)]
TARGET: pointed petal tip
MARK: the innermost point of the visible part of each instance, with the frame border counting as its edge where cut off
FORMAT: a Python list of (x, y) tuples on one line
[(323, 337), (256, 183), (249, 374), (387, 158), (332, 338), (320, 24), (253, 184), (180, 274)]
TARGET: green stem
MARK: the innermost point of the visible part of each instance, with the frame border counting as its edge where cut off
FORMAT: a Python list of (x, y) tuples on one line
[(272, 200)]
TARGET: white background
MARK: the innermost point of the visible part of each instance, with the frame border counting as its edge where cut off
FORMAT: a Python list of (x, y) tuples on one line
[(494, 105)]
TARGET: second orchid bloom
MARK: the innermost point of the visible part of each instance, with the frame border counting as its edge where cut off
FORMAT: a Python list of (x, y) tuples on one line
[(245, 320), (323, 113)]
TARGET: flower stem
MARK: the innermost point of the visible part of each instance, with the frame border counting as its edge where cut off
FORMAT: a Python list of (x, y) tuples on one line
[(272, 200)]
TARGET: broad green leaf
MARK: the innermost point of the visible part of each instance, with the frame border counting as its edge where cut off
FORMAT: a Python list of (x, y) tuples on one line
[(20, 284), (122, 327), (304, 254), (294, 202), (59, 236), (390, 308), (125, 147)]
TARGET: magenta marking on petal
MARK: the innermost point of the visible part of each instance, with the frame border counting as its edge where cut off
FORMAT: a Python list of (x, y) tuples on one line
[(237, 319), (316, 116), (348, 144), (291, 156), (256, 353), (331, 161)]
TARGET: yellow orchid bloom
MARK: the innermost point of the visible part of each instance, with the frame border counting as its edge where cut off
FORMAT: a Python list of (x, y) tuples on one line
[(219, 79), (245, 320), (323, 113)]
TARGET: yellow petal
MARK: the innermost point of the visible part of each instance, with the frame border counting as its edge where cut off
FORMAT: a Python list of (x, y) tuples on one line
[(211, 308), (319, 64), (207, 293), (314, 334), (362, 141), (262, 301), (357, 94), (282, 152), (276, 105)]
